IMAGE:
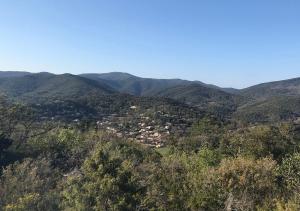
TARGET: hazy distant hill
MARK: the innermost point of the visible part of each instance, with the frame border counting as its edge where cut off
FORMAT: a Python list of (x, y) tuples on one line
[(289, 87), (209, 98), (196, 94), (272, 101), (8, 74), (206, 98), (127, 83), (48, 85), (273, 109)]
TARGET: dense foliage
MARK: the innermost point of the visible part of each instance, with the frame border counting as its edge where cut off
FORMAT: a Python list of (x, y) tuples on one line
[(217, 166), (73, 146)]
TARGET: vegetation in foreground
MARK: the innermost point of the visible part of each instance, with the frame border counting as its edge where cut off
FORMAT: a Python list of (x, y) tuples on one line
[(217, 166)]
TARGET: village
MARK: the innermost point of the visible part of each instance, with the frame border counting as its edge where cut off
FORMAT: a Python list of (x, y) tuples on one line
[(151, 130)]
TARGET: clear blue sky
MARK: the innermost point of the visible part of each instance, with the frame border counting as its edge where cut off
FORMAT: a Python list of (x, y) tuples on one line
[(233, 43)]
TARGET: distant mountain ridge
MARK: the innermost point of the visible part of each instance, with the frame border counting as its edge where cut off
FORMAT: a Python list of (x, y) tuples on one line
[(8, 74), (196, 94), (290, 87), (48, 85), (263, 102), (272, 109), (130, 84)]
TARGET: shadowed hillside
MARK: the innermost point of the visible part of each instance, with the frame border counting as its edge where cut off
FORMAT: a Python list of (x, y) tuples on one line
[(273, 109), (278, 88), (274, 101), (130, 84), (46, 85)]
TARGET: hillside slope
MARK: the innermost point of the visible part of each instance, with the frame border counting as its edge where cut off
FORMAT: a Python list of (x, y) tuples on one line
[(46, 85), (208, 99), (130, 84), (289, 87), (278, 108)]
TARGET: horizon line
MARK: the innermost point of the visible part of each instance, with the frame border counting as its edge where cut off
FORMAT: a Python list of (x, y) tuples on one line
[(37, 72)]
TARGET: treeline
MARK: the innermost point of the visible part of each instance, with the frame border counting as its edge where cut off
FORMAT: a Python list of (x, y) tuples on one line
[(218, 166)]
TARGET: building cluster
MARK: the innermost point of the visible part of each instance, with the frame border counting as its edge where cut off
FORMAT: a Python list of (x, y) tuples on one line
[(152, 130)]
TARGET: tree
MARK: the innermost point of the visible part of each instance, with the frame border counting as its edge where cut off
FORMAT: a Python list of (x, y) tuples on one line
[(248, 183), (18, 123), (64, 148), (259, 141), (289, 172), (167, 189), (29, 185), (207, 132), (205, 192), (108, 179)]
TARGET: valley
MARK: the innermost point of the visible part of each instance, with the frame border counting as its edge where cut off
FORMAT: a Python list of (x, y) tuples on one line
[(166, 140)]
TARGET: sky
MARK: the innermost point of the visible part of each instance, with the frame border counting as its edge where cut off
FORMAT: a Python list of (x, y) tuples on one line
[(229, 43)]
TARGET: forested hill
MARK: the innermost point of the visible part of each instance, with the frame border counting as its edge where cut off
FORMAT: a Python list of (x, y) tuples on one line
[(130, 84), (46, 85), (8, 74), (46, 88), (278, 88), (75, 143), (274, 101), (197, 94)]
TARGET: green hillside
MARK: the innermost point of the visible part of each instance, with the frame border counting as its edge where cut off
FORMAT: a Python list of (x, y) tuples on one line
[(289, 87), (273, 109), (266, 102), (130, 84), (46, 85), (197, 94), (205, 98)]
